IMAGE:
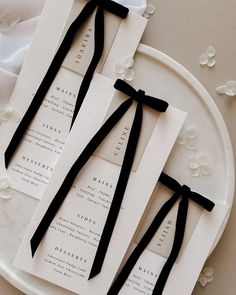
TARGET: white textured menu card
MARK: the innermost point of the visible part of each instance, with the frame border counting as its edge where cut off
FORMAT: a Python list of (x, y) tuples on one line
[(39, 150), (67, 251), (201, 230)]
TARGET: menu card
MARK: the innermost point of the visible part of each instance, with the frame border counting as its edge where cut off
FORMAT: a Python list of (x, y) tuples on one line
[(201, 229), (41, 147), (66, 253)]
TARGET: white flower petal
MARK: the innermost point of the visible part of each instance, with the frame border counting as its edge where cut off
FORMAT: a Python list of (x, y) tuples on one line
[(231, 84), (129, 75), (231, 92), (193, 163), (8, 113), (181, 139), (211, 62), (202, 280), (203, 59), (8, 108), (209, 279), (231, 88), (120, 68), (206, 170), (211, 51), (208, 271), (146, 15), (200, 275), (5, 194), (191, 145), (4, 182), (196, 172), (129, 62), (150, 8), (16, 117), (191, 133), (221, 89), (121, 76)]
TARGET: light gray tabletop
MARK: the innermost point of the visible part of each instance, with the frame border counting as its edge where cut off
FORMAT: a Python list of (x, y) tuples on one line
[(183, 29)]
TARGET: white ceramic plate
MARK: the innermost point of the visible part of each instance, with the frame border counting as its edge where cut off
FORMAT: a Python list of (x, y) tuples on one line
[(165, 78)]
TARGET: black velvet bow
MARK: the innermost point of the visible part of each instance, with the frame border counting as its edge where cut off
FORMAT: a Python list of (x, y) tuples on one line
[(179, 191), (140, 96)]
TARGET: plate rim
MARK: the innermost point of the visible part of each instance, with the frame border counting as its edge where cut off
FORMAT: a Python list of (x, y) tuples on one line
[(18, 281)]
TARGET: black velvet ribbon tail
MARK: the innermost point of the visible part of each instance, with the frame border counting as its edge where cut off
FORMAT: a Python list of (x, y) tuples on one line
[(60, 55), (185, 194), (119, 192)]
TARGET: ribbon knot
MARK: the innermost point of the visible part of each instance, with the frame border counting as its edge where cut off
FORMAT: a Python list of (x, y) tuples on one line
[(101, 3), (112, 7), (140, 96), (179, 190), (185, 191)]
